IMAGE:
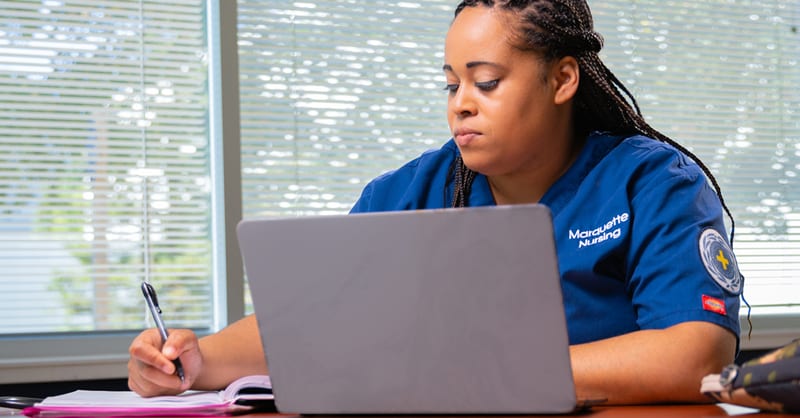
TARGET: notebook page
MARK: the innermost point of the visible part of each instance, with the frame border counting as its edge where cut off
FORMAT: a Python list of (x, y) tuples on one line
[(126, 399)]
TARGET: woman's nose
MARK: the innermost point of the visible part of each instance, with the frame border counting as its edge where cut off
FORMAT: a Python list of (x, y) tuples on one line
[(463, 104)]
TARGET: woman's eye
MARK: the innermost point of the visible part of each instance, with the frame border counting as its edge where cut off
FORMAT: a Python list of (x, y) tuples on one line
[(451, 88), (487, 85)]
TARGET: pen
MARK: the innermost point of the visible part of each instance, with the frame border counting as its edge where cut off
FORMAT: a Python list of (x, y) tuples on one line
[(152, 303)]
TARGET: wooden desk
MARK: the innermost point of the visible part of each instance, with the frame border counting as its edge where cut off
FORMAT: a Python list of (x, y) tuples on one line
[(650, 411)]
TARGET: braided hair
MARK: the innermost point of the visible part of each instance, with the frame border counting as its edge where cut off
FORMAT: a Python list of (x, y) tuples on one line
[(559, 28)]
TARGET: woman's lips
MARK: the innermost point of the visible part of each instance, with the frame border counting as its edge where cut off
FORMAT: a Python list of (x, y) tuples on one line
[(464, 137)]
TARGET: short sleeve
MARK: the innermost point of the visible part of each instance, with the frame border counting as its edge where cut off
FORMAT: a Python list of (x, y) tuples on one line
[(683, 268)]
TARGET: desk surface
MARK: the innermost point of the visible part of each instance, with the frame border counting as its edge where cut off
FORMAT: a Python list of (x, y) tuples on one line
[(650, 411)]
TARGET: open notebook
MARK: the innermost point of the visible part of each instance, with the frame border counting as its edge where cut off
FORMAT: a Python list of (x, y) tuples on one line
[(435, 311), (243, 395)]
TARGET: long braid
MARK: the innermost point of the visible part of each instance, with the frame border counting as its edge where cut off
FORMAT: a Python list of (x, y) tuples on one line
[(559, 28), (463, 183)]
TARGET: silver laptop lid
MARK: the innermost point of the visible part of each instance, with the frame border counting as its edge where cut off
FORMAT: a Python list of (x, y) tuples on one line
[(436, 311)]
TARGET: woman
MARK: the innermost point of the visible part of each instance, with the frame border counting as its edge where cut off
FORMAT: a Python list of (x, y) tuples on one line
[(651, 287)]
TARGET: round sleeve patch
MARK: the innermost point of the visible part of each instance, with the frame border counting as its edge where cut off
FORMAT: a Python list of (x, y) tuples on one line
[(720, 261)]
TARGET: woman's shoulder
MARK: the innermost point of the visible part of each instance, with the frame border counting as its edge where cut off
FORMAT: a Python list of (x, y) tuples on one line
[(645, 147), (639, 151), (432, 159), (417, 184)]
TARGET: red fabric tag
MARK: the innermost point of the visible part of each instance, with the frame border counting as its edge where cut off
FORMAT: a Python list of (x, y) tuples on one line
[(714, 305)]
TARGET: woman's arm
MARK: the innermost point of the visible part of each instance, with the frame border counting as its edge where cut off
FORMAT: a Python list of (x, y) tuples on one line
[(652, 366), (231, 353)]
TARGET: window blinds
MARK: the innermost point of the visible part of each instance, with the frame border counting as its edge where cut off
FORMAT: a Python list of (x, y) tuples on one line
[(332, 94), (104, 149), (104, 166), (721, 77), (336, 92)]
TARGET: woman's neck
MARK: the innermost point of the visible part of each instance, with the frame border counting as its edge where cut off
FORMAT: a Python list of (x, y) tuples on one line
[(530, 186)]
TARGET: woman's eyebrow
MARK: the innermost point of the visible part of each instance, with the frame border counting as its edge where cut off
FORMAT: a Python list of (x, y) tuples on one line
[(472, 64)]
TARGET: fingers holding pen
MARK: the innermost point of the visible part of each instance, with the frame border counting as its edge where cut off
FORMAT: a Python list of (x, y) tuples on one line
[(183, 344), (146, 364), (146, 350), (151, 368)]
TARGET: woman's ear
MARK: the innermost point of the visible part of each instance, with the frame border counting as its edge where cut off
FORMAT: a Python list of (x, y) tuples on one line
[(565, 78)]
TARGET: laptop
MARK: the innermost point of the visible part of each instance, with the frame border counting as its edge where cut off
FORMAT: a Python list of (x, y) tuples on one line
[(447, 311)]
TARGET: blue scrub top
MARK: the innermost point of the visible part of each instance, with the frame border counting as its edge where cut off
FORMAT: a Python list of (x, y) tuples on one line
[(639, 233)]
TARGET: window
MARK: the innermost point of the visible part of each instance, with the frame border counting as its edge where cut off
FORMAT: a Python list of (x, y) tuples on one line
[(333, 93), (104, 174), (111, 150), (721, 77)]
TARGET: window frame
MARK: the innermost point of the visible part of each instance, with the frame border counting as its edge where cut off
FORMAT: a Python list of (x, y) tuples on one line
[(102, 355)]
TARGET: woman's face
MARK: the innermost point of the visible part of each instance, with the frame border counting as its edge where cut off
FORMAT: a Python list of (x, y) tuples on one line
[(503, 107)]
